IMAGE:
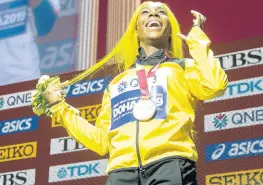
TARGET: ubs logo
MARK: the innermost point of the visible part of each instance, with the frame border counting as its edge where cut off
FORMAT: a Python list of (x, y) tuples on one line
[(24, 177)]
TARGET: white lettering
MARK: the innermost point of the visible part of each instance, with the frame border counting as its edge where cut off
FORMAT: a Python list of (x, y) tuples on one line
[(17, 125), (246, 148), (128, 106), (88, 86)]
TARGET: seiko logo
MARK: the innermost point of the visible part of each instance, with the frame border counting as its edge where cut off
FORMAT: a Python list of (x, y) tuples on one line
[(19, 151), (249, 177), (89, 113)]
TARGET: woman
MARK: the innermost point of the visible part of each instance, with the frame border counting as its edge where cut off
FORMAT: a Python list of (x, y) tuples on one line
[(147, 115)]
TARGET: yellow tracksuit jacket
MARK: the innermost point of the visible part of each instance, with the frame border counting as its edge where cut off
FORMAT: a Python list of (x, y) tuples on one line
[(175, 91)]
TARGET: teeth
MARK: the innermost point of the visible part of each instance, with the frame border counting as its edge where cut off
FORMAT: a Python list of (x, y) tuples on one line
[(151, 23)]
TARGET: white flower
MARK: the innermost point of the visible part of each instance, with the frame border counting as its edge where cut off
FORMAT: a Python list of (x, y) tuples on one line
[(43, 79)]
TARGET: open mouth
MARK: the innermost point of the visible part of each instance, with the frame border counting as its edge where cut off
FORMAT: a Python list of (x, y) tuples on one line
[(152, 24)]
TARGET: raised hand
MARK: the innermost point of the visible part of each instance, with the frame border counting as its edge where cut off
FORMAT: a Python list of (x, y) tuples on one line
[(53, 93), (199, 20)]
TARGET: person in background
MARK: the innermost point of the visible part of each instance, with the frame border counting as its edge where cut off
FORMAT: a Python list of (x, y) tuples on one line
[(146, 123), (20, 22)]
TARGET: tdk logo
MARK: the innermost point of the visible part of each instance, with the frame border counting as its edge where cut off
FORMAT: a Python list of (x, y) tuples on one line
[(87, 87), (18, 125), (81, 170), (245, 87), (242, 88), (237, 149)]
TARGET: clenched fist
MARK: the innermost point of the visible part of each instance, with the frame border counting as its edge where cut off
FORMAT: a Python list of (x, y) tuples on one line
[(53, 93)]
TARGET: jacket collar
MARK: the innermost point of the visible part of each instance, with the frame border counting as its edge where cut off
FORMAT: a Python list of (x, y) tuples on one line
[(153, 59)]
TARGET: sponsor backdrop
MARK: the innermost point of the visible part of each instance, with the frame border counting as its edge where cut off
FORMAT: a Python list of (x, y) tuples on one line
[(58, 49), (38, 150)]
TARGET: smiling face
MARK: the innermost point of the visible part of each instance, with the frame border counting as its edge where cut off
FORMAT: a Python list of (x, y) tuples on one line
[(153, 24)]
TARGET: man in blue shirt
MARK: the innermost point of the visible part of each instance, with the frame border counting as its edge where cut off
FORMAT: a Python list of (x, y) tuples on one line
[(20, 22)]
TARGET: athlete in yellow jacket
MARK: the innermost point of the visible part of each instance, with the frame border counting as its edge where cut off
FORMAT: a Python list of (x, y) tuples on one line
[(144, 152)]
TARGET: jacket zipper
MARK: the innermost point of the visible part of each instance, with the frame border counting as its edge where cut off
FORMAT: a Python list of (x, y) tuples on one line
[(141, 169)]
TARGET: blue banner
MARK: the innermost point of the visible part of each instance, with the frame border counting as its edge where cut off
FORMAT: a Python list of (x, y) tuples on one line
[(236, 149), (86, 87), (13, 18), (18, 125)]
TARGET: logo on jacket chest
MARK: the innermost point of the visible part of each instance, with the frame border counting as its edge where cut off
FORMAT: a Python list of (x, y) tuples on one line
[(126, 93)]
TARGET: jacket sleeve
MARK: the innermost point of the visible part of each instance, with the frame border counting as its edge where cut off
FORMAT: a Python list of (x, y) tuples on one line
[(204, 76), (93, 137)]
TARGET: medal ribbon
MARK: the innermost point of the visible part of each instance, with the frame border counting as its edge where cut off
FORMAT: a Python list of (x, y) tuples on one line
[(142, 78)]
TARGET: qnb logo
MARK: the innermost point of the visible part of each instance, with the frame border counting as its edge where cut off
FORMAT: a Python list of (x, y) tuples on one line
[(234, 119), (122, 86), (78, 170), (220, 121), (19, 99), (248, 117), (126, 107), (2, 101), (218, 152), (134, 82), (19, 125)]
